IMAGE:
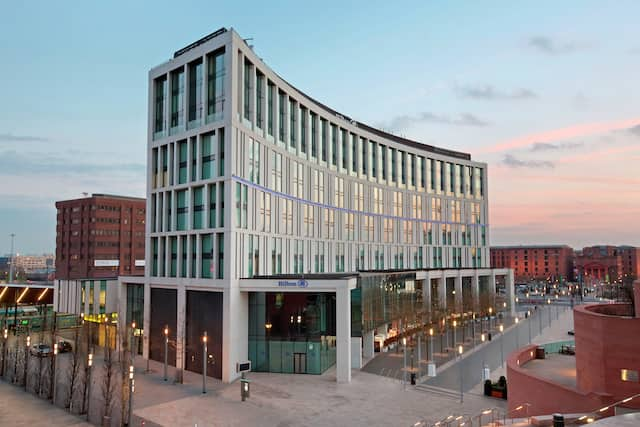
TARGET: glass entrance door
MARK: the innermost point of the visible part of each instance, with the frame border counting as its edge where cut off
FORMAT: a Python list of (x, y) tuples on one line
[(299, 363)]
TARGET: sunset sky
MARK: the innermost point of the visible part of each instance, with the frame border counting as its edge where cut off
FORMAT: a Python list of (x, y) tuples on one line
[(546, 93)]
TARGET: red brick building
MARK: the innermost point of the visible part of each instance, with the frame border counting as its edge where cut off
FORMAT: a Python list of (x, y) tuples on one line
[(101, 236), (552, 262), (608, 264)]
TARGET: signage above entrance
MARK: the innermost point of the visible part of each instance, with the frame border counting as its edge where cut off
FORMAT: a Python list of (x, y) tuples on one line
[(301, 283)]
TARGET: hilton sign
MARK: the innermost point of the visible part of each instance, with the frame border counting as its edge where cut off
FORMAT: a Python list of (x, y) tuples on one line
[(293, 284)]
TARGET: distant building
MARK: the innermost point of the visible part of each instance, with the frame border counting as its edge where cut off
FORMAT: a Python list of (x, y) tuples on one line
[(98, 238), (35, 263), (608, 264), (536, 262)]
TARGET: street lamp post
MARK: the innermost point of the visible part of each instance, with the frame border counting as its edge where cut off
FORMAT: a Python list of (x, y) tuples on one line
[(549, 307), (131, 341), (131, 388), (431, 344), (473, 328), (516, 331), (53, 382), (166, 350), (4, 349), (455, 340), (404, 370), (482, 338), (501, 345), (204, 362), (489, 318), (89, 364), (460, 363), (529, 324), (26, 360)]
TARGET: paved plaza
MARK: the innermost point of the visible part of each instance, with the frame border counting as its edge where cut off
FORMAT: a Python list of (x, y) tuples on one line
[(283, 400)]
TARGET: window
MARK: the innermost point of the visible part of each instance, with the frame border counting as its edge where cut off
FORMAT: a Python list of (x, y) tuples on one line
[(303, 129), (329, 223), (308, 220), (432, 164), (248, 69), (212, 206), (345, 150), (198, 207), (182, 210), (276, 171), (241, 205), (297, 185), (207, 256), (220, 264), (270, 94), (259, 100), (354, 153), (397, 203), (177, 98), (282, 105), (276, 255), (215, 86), (349, 225), (314, 124), (403, 168), (383, 157), (394, 165), (160, 97), (334, 145), (358, 196), (182, 161), (208, 158), (363, 157), (373, 159), (195, 90), (338, 199), (293, 116), (324, 137)]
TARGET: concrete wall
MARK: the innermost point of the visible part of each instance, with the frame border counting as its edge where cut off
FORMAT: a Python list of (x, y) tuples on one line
[(606, 342), (543, 395)]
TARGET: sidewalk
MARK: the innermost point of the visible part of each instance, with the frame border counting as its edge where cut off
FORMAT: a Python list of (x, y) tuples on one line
[(557, 332)]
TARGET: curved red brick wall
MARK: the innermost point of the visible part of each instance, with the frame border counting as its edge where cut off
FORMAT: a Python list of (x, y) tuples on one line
[(543, 395), (606, 342)]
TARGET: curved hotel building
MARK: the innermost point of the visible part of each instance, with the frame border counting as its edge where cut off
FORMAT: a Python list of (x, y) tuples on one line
[(292, 234)]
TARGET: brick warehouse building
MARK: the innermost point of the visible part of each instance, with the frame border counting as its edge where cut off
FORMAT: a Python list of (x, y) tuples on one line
[(551, 262), (98, 238), (608, 264)]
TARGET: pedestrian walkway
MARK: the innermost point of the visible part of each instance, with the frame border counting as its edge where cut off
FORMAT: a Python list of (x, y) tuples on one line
[(20, 409)]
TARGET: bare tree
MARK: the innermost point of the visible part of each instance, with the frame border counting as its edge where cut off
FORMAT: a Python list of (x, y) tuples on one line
[(108, 375), (73, 369)]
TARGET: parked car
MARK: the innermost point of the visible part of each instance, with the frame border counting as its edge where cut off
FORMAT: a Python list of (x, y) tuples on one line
[(64, 347), (41, 350)]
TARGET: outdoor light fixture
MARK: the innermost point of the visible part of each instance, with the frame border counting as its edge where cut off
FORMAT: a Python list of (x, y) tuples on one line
[(90, 361), (6, 333), (517, 320), (133, 325), (504, 304), (582, 418), (430, 331), (460, 349), (589, 420), (482, 337), (166, 331), (604, 409), (299, 319), (55, 349), (131, 372), (404, 341), (28, 340), (501, 328)]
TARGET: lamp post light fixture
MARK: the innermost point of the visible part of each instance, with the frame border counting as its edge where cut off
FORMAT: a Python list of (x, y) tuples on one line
[(461, 377), (516, 330), (166, 350), (549, 307), (482, 339), (489, 318), (89, 364), (204, 362), (529, 324), (131, 388), (26, 360)]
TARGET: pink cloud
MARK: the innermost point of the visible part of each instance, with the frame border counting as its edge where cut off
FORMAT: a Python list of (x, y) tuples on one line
[(584, 129), (596, 155)]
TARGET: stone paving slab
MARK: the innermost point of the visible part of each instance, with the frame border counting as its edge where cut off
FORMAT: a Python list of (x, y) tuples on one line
[(20, 409)]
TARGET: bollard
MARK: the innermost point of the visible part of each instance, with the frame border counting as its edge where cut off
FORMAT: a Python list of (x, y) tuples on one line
[(244, 387)]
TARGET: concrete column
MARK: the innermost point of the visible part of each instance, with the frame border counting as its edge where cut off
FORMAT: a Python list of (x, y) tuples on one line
[(180, 331), (356, 352), (147, 320), (475, 291), (492, 290), (368, 345), (509, 285), (442, 291), (426, 294), (458, 289), (343, 335), (235, 328)]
